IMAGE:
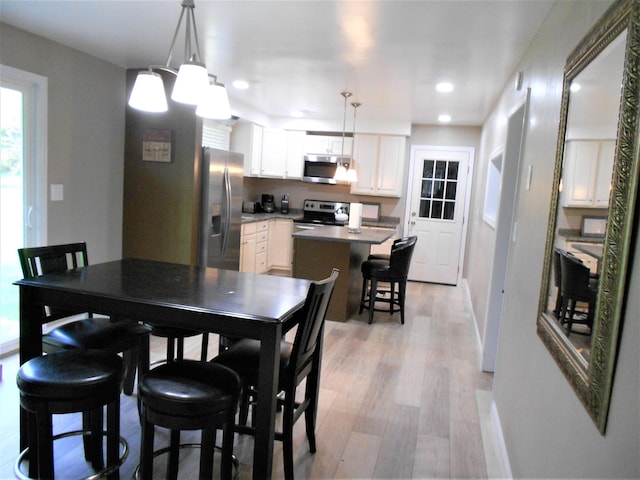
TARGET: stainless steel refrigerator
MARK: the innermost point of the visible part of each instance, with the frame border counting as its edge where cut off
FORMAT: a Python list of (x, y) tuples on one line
[(221, 207)]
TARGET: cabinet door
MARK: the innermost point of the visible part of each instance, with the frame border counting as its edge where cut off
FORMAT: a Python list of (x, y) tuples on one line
[(317, 144), (365, 161), (247, 139), (274, 153), (295, 154), (391, 162), (280, 244), (604, 173), (335, 146), (248, 253), (581, 160)]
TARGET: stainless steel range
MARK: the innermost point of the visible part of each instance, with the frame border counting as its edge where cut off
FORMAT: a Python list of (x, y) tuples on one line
[(323, 212)]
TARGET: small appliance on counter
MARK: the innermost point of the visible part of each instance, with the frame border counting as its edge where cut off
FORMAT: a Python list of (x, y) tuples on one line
[(268, 205), (251, 207), (284, 204)]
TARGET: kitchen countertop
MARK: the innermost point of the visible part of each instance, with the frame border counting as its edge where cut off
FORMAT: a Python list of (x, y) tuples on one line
[(370, 235), (296, 214), (573, 235)]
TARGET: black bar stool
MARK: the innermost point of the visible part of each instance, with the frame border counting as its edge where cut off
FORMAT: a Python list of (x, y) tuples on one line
[(189, 395), (67, 382), (394, 271)]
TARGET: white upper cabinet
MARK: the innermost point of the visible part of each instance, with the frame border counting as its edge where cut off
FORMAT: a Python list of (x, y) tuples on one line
[(327, 145), (247, 139), (379, 161), (295, 154), (274, 153), (587, 171)]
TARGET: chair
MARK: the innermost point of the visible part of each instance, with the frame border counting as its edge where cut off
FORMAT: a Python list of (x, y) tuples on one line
[(189, 395), (576, 285), (114, 335), (72, 381), (393, 271), (387, 256), (557, 268), (298, 360)]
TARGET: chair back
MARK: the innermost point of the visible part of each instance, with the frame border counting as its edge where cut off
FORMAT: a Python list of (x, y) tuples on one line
[(401, 253), (574, 277), (37, 261), (310, 326)]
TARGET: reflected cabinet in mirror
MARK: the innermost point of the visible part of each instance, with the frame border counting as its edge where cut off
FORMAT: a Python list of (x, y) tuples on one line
[(591, 220)]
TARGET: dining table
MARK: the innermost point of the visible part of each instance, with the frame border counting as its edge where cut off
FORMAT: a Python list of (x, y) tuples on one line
[(214, 300)]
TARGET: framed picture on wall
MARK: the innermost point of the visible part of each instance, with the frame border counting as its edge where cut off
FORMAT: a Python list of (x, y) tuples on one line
[(157, 146)]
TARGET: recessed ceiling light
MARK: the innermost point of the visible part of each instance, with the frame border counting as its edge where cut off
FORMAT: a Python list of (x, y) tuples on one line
[(297, 113), (444, 118), (444, 87), (575, 87), (240, 84)]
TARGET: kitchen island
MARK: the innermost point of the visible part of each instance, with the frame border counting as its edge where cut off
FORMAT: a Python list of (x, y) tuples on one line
[(318, 250)]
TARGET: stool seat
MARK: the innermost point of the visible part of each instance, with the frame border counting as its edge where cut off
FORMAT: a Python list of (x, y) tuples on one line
[(190, 388), (71, 375)]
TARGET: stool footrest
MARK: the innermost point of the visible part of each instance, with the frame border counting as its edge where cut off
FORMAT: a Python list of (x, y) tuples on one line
[(17, 471)]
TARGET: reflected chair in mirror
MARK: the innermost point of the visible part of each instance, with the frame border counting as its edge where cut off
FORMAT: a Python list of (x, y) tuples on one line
[(299, 360), (557, 267), (115, 335), (189, 395), (394, 272), (576, 286)]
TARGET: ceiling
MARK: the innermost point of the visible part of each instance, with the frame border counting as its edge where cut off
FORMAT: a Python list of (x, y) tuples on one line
[(300, 54)]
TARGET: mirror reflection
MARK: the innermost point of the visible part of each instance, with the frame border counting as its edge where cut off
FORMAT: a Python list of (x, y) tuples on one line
[(589, 151)]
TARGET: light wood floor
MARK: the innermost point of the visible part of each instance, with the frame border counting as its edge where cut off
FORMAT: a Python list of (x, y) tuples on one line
[(396, 401)]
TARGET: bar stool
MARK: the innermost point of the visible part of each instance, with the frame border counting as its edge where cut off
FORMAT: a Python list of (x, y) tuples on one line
[(71, 381), (393, 271), (188, 395)]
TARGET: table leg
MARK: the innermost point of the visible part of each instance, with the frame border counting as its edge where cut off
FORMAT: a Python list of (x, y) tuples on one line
[(266, 408), (30, 343)]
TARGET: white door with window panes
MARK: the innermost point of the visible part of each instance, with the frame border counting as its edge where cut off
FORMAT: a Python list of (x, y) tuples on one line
[(437, 212)]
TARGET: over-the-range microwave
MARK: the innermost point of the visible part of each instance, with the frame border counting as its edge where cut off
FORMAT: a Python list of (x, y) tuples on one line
[(322, 168)]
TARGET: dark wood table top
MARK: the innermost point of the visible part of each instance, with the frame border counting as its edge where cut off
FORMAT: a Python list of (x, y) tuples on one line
[(192, 289)]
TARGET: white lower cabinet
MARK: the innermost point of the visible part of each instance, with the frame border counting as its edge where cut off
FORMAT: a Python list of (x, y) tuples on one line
[(254, 239), (266, 245)]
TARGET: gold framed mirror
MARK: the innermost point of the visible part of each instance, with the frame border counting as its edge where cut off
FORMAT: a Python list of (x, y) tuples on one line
[(596, 175)]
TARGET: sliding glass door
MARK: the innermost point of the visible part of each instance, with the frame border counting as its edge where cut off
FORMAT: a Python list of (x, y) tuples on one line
[(22, 185)]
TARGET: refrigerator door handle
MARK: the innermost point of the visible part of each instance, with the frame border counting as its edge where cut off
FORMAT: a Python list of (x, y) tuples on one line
[(226, 215)]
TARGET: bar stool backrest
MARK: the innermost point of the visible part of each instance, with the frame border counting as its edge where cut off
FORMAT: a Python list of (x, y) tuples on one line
[(401, 254)]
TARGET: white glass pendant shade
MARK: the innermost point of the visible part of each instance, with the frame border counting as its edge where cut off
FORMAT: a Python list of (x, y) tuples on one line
[(214, 103), (190, 84), (352, 176), (148, 93), (341, 174)]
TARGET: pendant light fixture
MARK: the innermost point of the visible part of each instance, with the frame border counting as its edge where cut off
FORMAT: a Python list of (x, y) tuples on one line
[(341, 171), (352, 176), (193, 85)]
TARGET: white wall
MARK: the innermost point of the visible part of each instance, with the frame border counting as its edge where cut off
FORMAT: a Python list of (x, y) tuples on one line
[(548, 433), (85, 139)]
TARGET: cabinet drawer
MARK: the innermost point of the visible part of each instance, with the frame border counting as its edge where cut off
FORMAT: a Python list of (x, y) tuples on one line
[(262, 226), (248, 228), (261, 247), (262, 237)]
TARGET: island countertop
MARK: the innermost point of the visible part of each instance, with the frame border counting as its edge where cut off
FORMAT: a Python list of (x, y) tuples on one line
[(369, 235)]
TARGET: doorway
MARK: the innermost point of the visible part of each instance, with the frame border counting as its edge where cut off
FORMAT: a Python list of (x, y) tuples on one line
[(505, 228), (22, 185), (437, 211)]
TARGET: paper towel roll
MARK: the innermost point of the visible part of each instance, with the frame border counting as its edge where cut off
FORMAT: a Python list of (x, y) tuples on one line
[(355, 216)]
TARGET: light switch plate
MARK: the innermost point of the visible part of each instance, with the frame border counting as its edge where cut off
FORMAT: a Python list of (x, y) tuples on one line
[(57, 192)]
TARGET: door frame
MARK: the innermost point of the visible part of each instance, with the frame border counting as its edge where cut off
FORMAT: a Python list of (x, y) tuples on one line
[(467, 201), (505, 230)]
